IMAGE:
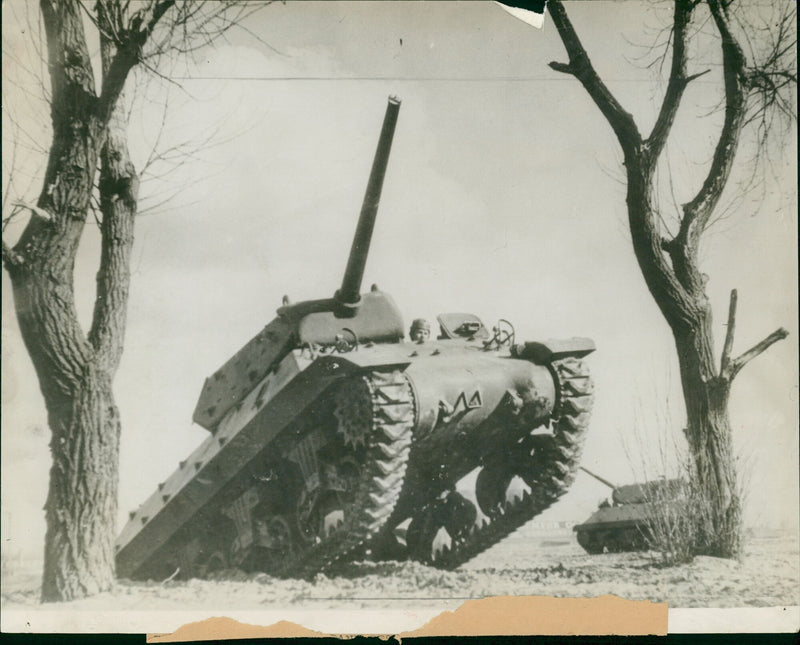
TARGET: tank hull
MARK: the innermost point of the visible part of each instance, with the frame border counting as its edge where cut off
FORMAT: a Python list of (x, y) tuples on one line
[(465, 401), (446, 408), (616, 529), (629, 526)]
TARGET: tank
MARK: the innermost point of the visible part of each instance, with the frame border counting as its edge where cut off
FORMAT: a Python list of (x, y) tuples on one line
[(333, 436), (625, 522)]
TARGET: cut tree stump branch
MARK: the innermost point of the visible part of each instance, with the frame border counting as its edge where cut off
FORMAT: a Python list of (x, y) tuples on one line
[(759, 348), (729, 368), (564, 68)]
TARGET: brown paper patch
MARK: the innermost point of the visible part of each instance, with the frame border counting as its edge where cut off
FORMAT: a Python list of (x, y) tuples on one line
[(499, 616), (228, 628), (542, 615)]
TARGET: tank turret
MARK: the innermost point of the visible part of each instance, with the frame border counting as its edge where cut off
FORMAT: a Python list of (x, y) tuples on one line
[(332, 437)]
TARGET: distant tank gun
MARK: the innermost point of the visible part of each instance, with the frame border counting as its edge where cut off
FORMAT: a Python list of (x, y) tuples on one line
[(625, 523), (331, 437)]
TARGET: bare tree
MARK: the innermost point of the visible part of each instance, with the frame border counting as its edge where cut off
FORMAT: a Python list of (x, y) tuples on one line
[(758, 88), (75, 369)]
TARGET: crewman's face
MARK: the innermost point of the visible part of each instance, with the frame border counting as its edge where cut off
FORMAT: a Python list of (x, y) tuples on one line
[(420, 335)]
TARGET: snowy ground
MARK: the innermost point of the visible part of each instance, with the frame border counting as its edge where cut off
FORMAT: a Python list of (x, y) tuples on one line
[(527, 563)]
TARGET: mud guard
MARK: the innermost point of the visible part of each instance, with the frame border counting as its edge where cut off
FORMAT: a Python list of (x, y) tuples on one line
[(553, 350)]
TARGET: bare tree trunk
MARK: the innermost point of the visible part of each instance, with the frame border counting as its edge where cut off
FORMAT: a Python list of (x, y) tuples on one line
[(708, 433), (81, 508), (75, 379), (669, 264), (81, 504), (76, 370)]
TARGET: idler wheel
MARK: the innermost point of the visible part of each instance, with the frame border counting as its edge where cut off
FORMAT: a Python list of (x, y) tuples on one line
[(491, 486)]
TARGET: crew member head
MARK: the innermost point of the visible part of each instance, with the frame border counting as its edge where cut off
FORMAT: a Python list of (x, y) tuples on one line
[(420, 330)]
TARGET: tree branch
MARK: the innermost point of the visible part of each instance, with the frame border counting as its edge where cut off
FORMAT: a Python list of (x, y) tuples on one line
[(677, 79), (564, 68), (648, 243), (729, 333), (737, 364), (128, 54), (580, 66), (693, 77), (39, 212), (699, 209), (73, 93), (118, 189), (11, 259), (70, 75)]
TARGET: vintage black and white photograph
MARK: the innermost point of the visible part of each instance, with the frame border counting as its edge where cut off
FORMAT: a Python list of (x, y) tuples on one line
[(349, 312)]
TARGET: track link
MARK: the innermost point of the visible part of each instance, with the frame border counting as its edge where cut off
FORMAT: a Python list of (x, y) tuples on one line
[(549, 471)]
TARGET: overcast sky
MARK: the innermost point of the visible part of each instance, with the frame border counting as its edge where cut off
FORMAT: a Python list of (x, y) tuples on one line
[(503, 197)]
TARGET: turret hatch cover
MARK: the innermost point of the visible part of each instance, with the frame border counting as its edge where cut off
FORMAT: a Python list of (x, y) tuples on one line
[(459, 325)]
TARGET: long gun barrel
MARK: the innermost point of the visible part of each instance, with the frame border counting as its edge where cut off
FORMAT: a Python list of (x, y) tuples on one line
[(348, 295), (597, 477)]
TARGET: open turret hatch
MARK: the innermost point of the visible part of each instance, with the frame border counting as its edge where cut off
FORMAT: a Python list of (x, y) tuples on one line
[(460, 325)]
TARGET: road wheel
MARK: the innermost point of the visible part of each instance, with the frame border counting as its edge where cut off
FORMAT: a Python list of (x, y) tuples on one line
[(490, 488)]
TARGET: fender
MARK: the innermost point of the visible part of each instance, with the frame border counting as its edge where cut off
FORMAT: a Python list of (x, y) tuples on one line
[(553, 350)]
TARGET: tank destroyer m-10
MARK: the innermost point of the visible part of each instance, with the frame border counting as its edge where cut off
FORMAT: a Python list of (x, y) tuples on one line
[(626, 522), (332, 437)]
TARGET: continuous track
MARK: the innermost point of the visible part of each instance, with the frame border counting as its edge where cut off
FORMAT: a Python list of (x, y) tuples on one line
[(387, 396), (369, 424), (548, 471)]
